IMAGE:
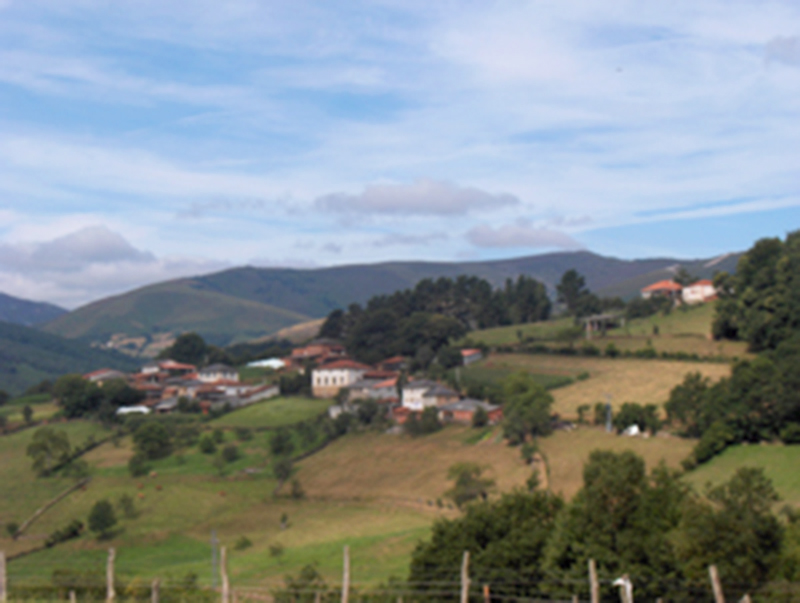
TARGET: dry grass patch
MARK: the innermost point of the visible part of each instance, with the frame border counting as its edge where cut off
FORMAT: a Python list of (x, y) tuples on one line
[(568, 451), (625, 380), (404, 469)]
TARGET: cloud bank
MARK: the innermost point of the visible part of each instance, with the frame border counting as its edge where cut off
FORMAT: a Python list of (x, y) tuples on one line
[(422, 198), (521, 235)]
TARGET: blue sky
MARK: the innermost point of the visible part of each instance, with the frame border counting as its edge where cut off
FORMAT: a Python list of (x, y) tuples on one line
[(144, 140)]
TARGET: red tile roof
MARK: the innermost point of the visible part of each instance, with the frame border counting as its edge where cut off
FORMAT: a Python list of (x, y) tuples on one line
[(344, 364), (663, 286)]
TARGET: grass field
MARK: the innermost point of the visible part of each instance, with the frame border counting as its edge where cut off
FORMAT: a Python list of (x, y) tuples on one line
[(274, 413), (510, 335), (628, 380), (567, 452), (780, 463)]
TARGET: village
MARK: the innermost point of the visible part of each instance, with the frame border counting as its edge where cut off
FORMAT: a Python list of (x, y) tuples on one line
[(168, 386)]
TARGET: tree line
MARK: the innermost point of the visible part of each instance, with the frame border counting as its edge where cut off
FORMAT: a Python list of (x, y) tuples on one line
[(419, 322)]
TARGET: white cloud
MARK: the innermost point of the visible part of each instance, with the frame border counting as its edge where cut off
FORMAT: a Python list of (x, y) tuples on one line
[(424, 197), (398, 239), (85, 265), (521, 235)]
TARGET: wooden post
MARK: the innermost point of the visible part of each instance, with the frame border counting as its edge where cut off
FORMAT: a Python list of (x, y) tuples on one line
[(575, 599), (110, 593), (317, 597), (346, 575), (3, 581), (154, 591), (72, 597), (223, 567), (594, 585), (465, 578), (719, 596), (487, 597)]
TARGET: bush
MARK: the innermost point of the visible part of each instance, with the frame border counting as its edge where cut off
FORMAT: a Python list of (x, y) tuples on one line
[(207, 445), (244, 434), (600, 413), (12, 527), (480, 418), (713, 441), (242, 543), (588, 349), (138, 465), (297, 492), (102, 518), (791, 434), (612, 351), (218, 435), (152, 440), (281, 443), (230, 453), (645, 417), (126, 505), (72, 530)]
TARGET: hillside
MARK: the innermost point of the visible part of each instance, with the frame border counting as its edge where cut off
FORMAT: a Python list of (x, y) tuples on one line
[(25, 312), (27, 356), (248, 303)]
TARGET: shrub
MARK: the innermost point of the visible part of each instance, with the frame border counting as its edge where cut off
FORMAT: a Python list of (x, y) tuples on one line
[(588, 349), (612, 351), (583, 409), (791, 434), (218, 435), (297, 492), (207, 445), (244, 434), (102, 518), (152, 440), (12, 527), (230, 453), (276, 550), (72, 530), (126, 505), (480, 418), (138, 465), (713, 441), (242, 543), (281, 443)]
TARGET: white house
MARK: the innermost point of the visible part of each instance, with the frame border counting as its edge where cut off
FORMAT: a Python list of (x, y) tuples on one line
[(470, 356), (419, 395), (699, 292), (328, 379), (218, 372)]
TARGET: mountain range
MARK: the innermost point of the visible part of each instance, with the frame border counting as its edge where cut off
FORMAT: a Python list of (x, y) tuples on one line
[(246, 303), (25, 312)]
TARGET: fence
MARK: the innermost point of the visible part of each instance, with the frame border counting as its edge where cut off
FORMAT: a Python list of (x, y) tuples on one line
[(464, 591)]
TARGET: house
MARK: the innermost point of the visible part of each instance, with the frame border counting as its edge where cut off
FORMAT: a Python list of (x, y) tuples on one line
[(328, 379), (699, 292), (103, 375), (394, 364), (470, 355), (669, 289), (463, 411), (419, 395), (218, 372), (319, 350), (375, 385)]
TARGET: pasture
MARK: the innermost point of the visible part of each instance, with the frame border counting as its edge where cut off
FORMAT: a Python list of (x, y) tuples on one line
[(274, 412)]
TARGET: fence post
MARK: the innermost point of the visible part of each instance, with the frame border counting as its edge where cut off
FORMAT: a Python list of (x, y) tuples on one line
[(465, 578), (719, 596), (223, 566), (594, 586), (487, 597), (346, 575), (110, 592), (3, 580), (72, 597), (154, 588)]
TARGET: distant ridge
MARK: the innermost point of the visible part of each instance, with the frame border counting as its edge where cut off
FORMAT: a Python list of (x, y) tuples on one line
[(248, 303), (27, 356), (25, 312)]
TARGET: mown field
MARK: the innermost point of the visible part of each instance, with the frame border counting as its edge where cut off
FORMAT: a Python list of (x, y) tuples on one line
[(780, 463), (623, 380)]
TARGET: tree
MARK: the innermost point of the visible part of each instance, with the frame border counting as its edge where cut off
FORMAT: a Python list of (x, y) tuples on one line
[(623, 519), (102, 518), (281, 442), (207, 444), (282, 470), (527, 408), (152, 440), (77, 396), (4, 397), (682, 277), (48, 448), (469, 485), (450, 357), (188, 347), (734, 529), (118, 393), (506, 539), (27, 414), (480, 417)]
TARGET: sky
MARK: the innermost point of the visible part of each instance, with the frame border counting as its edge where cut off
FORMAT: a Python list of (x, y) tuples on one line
[(144, 140)]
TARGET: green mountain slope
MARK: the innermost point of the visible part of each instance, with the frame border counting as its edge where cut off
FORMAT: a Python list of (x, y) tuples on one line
[(25, 312), (27, 356), (175, 306), (248, 302)]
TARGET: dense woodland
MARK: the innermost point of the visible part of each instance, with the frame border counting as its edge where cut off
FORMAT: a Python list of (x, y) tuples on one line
[(418, 322)]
